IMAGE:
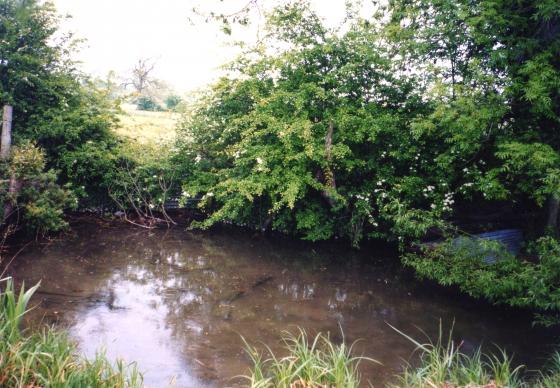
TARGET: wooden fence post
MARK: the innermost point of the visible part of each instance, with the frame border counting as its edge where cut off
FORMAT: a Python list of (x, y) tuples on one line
[(6, 140), (5, 146)]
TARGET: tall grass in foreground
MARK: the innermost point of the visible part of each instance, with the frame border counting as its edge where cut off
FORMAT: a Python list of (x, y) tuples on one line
[(443, 364), (48, 358), (318, 363), (310, 363)]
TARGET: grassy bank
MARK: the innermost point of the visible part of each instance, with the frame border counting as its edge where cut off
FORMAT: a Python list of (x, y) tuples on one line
[(48, 358), (317, 362)]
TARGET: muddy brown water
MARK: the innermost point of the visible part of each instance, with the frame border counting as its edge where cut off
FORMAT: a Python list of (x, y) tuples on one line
[(178, 303)]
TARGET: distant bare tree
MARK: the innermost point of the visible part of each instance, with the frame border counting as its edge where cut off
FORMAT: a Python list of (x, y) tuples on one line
[(141, 79)]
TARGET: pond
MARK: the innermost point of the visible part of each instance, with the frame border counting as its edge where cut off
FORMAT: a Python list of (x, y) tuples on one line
[(179, 302)]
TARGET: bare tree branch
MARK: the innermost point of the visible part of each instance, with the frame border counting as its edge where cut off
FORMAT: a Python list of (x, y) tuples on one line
[(141, 76)]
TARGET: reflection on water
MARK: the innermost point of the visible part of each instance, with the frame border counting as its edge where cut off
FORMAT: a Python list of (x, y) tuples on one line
[(178, 303)]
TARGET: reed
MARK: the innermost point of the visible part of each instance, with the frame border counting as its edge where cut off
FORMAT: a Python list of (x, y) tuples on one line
[(311, 362), (319, 363), (444, 364), (48, 358)]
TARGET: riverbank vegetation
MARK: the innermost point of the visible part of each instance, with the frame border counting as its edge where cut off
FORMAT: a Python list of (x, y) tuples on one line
[(67, 153), (310, 362), (48, 358), (61, 124), (317, 362), (425, 119)]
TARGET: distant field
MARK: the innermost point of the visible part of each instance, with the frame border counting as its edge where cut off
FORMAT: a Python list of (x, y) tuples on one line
[(147, 127)]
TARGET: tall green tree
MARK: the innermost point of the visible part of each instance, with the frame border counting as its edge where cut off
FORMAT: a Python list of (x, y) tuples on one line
[(314, 141), (501, 56), (392, 127), (55, 107)]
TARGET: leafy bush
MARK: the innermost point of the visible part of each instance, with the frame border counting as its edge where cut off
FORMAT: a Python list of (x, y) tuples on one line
[(49, 358), (37, 199), (511, 281), (148, 103), (315, 141), (55, 107), (362, 133), (172, 102)]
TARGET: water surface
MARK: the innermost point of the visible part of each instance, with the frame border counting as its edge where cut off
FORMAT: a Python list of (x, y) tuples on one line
[(178, 303)]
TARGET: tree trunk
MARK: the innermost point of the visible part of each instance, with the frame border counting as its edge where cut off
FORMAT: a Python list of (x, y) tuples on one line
[(553, 210), (6, 139)]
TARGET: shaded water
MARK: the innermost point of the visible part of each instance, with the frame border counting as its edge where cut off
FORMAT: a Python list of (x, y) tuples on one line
[(179, 302)]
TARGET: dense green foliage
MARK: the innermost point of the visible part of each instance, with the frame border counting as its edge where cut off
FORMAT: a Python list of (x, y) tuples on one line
[(394, 126), (148, 103), (39, 199), (62, 125), (49, 358), (531, 283), (315, 141), (380, 130), (58, 110), (493, 71)]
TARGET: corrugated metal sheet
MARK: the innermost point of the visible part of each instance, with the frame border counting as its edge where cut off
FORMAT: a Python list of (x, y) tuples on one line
[(511, 239)]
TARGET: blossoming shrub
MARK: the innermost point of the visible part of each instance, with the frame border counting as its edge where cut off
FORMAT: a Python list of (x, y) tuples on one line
[(316, 142)]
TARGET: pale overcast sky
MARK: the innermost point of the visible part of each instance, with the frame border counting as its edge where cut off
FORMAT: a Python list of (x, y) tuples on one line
[(119, 32)]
